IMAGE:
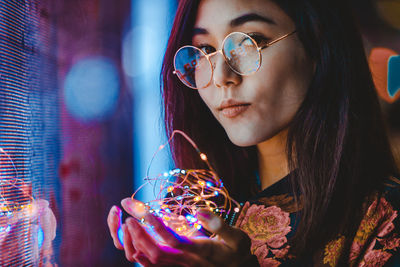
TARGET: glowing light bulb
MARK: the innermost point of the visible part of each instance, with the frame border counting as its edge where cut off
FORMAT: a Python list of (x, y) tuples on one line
[(202, 183), (170, 189), (191, 218), (197, 198), (203, 156), (139, 209)]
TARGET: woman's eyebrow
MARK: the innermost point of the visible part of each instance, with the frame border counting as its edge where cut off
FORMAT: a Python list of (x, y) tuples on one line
[(250, 17), (239, 21), (197, 31)]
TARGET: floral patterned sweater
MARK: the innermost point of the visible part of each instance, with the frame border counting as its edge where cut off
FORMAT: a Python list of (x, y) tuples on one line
[(269, 221)]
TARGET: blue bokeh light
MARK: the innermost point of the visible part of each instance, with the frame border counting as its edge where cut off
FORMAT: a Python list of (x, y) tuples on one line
[(91, 89), (394, 75), (143, 50), (40, 237)]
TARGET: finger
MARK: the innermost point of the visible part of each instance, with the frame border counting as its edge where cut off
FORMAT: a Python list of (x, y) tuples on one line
[(138, 210), (134, 207), (185, 260), (142, 259), (48, 225), (233, 237), (205, 247), (199, 249), (144, 243), (128, 247), (167, 234), (155, 253), (114, 224)]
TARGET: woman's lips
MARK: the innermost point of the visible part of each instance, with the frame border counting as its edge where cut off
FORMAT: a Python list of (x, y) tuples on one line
[(234, 111)]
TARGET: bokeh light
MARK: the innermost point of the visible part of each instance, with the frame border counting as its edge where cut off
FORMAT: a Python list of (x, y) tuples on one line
[(150, 25), (91, 88), (140, 48), (394, 76), (378, 62)]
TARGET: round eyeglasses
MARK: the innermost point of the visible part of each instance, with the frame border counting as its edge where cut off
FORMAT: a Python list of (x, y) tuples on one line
[(240, 51)]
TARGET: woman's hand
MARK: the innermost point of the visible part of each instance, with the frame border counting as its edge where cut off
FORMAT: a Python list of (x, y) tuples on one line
[(230, 247), (114, 224)]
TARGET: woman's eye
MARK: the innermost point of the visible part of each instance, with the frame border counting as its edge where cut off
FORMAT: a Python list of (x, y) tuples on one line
[(259, 38), (207, 49)]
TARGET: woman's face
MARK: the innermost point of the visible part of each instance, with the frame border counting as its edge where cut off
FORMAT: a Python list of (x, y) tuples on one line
[(259, 106)]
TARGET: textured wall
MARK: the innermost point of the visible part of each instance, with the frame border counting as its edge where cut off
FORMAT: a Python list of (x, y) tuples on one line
[(96, 164)]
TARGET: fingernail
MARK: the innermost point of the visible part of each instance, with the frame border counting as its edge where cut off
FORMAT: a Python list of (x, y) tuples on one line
[(116, 210), (126, 202)]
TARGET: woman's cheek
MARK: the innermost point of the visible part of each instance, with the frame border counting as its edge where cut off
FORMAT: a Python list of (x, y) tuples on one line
[(208, 98)]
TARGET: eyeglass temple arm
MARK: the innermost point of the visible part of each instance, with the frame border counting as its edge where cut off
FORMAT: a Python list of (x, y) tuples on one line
[(277, 40)]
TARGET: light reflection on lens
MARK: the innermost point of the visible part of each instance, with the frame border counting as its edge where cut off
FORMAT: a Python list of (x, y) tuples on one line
[(193, 67), (195, 70)]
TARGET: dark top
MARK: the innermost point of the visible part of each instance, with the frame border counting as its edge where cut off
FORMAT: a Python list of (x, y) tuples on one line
[(269, 219)]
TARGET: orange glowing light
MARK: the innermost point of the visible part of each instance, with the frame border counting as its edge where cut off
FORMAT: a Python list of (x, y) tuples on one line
[(203, 156)]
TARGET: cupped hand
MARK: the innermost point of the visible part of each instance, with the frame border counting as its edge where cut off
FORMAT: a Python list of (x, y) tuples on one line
[(230, 246)]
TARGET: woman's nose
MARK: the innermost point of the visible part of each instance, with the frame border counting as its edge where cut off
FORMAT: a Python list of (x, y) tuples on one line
[(223, 75)]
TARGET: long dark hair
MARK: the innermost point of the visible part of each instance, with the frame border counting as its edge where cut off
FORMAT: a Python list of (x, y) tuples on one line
[(337, 142)]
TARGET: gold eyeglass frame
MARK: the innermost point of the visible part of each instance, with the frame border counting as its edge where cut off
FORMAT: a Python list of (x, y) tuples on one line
[(208, 56)]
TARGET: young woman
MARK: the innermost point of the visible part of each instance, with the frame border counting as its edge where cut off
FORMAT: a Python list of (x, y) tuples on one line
[(285, 109)]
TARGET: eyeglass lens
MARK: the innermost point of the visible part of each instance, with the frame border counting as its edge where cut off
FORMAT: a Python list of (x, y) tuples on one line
[(195, 69), (192, 67), (241, 53)]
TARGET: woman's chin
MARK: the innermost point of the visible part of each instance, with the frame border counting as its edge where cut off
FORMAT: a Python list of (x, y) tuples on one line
[(246, 139), (242, 141)]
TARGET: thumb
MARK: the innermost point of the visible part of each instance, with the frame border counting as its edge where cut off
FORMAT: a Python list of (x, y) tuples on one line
[(134, 207), (233, 237)]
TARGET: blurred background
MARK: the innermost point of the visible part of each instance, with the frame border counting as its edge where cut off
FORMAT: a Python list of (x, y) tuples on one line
[(80, 116)]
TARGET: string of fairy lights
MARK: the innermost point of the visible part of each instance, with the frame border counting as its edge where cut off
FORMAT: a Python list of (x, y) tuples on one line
[(15, 197), (179, 193)]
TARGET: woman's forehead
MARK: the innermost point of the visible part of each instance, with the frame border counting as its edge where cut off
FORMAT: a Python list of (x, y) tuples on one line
[(221, 14)]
